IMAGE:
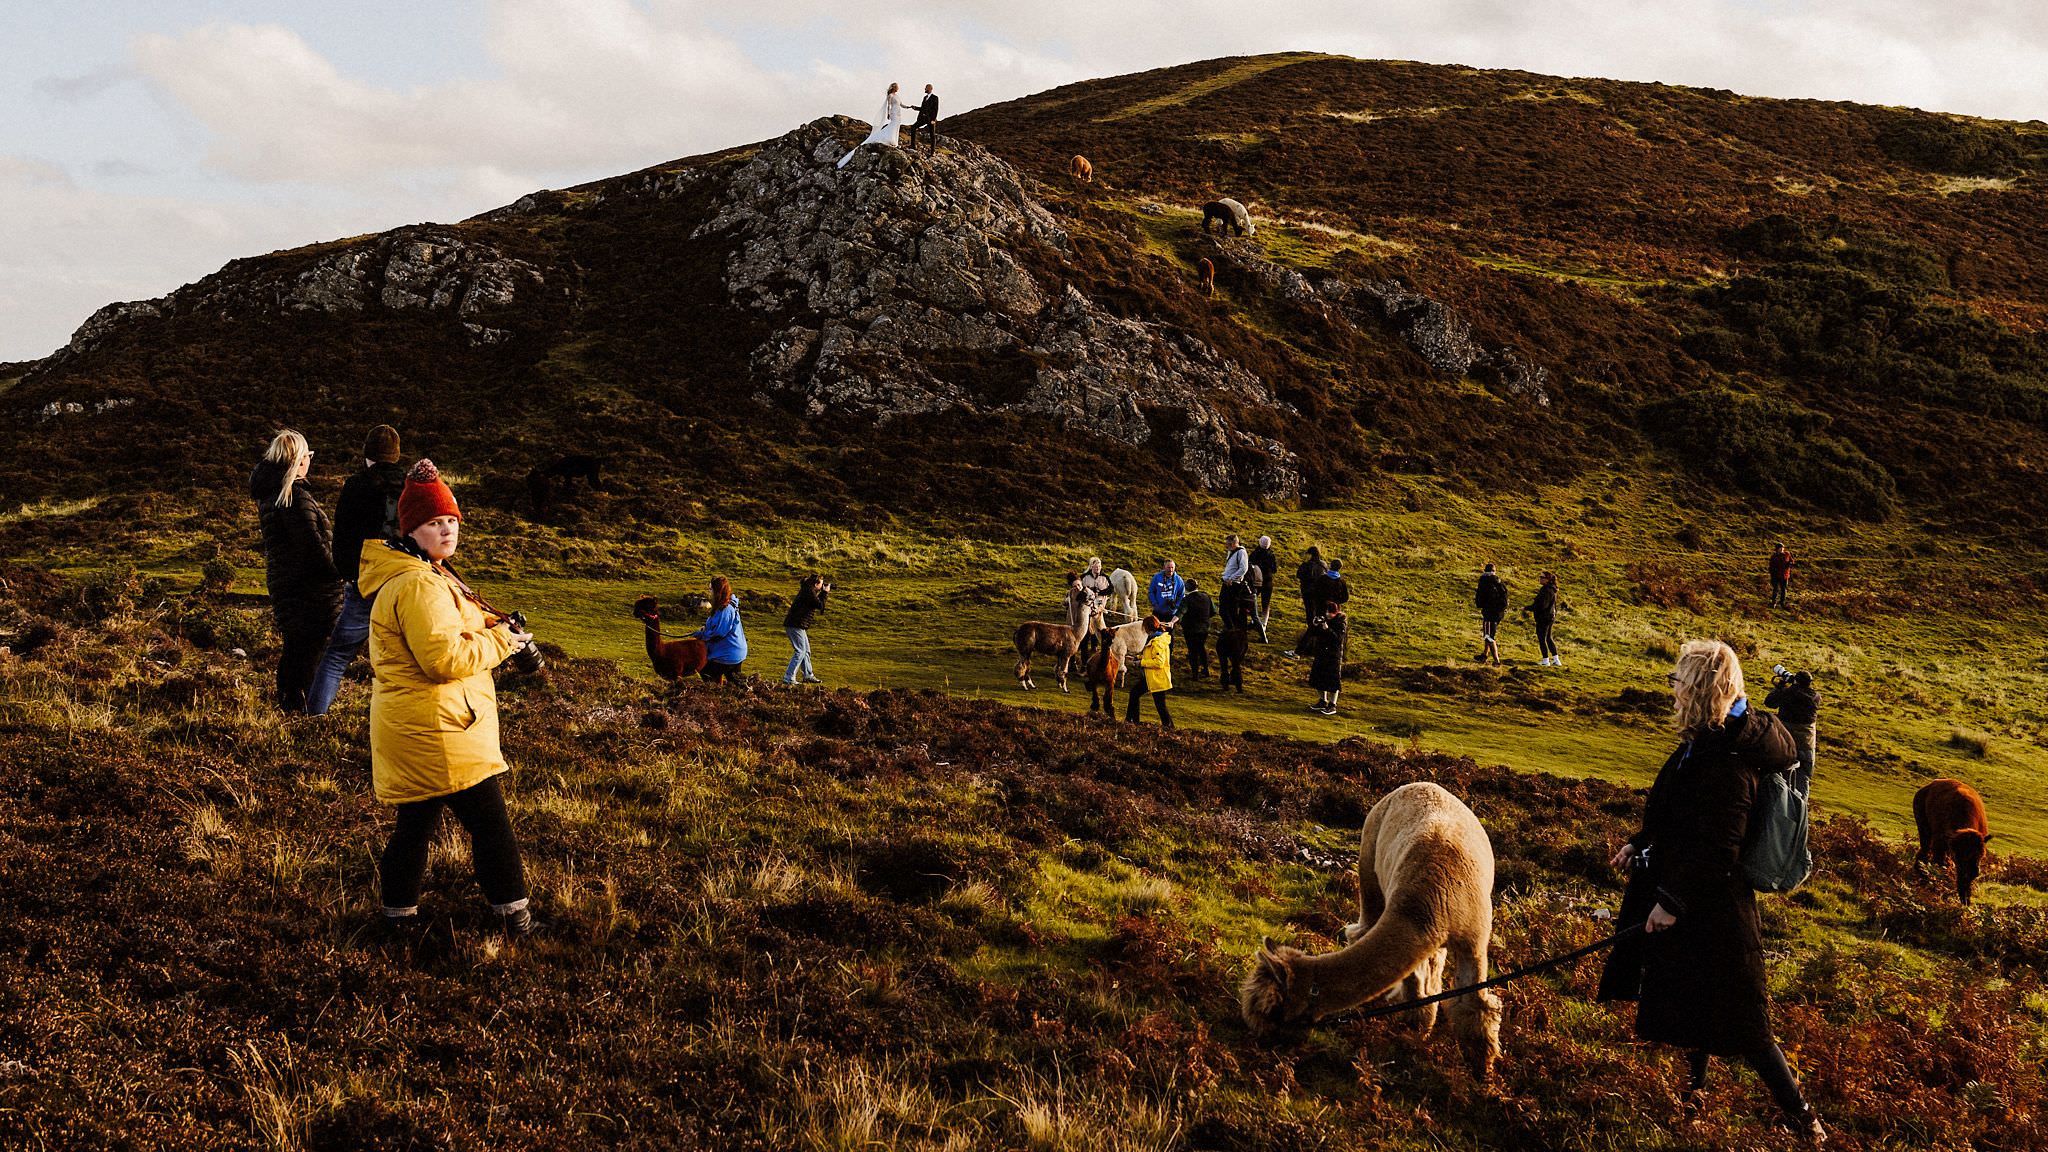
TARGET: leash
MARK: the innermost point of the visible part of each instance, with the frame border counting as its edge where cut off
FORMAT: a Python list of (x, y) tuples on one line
[(1517, 974)]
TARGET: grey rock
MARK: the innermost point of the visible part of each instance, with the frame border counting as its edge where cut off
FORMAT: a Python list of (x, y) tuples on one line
[(102, 323)]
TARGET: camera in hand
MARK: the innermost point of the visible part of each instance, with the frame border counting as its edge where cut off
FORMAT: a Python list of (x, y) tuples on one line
[(528, 659), (1781, 675)]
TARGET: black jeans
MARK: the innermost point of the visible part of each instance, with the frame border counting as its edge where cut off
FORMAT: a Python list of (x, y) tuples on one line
[(1198, 653), (1779, 586), (1544, 644), (930, 128), (493, 850), (1770, 1066), (1137, 697), (715, 671)]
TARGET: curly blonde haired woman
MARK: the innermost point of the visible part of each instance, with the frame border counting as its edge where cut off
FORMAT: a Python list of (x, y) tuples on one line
[(298, 563), (1697, 972)]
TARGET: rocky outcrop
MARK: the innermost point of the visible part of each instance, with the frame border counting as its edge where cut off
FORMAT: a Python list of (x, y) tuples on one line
[(905, 284), (1430, 327), (412, 269)]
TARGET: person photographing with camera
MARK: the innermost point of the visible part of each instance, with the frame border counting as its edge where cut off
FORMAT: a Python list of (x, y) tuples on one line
[(1798, 705), (810, 600), (434, 706)]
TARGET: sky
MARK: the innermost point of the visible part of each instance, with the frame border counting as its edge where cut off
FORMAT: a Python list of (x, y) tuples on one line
[(144, 143)]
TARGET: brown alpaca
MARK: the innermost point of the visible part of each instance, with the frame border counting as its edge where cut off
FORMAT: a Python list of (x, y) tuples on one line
[(673, 659), (1082, 170), (1101, 676), (1425, 902), (1208, 277), (1231, 645), (1036, 638), (1950, 817)]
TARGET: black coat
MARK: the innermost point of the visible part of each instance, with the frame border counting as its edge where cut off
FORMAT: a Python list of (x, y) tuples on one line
[(1795, 705), (1700, 983), (1196, 610), (1333, 589), (1310, 574), (298, 560), (1326, 672), (810, 600), (1491, 597), (366, 510), (1544, 607)]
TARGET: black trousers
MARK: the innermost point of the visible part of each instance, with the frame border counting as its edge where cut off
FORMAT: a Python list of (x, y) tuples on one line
[(930, 128), (715, 671), (1779, 586), (1198, 653), (493, 850), (1137, 697), (1770, 1066), (1544, 644)]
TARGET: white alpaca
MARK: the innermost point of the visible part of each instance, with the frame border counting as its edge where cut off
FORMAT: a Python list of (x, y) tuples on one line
[(1123, 593)]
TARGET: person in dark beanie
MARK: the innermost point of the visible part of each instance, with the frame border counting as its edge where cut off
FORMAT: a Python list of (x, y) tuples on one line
[(1196, 611), (1798, 706), (298, 563), (1544, 610), (724, 636), (367, 512), (434, 706), (1326, 673), (1268, 566), (1335, 589), (1491, 598), (810, 600), (1310, 575)]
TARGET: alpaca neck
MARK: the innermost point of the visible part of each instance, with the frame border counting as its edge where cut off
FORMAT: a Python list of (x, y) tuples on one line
[(653, 636), (1370, 966)]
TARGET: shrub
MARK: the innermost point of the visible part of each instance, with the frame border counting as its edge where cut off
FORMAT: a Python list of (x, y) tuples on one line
[(1771, 447)]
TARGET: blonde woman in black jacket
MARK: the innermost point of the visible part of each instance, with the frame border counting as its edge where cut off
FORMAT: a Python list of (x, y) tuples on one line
[(298, 563)]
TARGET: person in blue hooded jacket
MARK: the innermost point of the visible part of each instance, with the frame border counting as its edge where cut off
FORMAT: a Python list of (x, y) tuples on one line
[(1166, 593), (725, 638)]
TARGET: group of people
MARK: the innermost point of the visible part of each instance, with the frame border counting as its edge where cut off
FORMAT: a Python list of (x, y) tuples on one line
[(1491, 598)]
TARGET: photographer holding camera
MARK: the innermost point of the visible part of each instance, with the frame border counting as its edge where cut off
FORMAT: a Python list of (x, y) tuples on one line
[(434, 707), (1793, 695), (810, 600)]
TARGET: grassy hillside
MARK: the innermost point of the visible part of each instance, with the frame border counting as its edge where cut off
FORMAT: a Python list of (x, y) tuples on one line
[(836, 920)]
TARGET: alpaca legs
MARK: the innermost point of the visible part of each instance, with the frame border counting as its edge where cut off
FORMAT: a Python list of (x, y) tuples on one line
[(1475, 1018)]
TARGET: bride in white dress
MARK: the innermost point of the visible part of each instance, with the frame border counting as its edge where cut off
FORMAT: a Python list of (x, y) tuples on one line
[(885, 132)]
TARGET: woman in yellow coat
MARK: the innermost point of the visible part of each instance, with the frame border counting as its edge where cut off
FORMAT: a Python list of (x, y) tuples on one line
[(434, 709), (1157, 661)]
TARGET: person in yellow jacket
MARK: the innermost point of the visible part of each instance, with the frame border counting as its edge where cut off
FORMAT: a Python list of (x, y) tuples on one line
[(1157, 661), (434, 708)]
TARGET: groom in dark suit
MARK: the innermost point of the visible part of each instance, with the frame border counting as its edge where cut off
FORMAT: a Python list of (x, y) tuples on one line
[(927, 119)]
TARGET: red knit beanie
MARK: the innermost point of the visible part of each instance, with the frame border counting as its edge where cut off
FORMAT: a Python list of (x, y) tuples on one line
[(425, 497)]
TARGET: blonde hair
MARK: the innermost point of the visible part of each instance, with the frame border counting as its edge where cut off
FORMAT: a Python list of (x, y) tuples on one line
[(1707, 683), (287, 449)]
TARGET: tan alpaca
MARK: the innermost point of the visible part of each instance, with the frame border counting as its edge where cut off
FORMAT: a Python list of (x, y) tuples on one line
[(1082, 170), (1425, 897)]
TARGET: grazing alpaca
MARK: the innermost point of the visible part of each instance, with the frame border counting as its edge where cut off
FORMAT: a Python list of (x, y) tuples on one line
[(1425, 896), (1231, 645), (1102, 673), (1230, 214), (1123, 593), (673, 659), (1036, 638), (1208, 277), (543, 484), (1082, 170), (1950, 817)]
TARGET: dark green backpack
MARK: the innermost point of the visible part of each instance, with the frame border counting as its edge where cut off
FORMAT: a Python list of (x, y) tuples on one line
[(1775, 857)]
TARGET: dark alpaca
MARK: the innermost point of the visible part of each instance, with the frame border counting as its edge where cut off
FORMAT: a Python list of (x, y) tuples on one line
[(1231, 644), (673, 659), (1228, 213), (1101, 675), (545, 483), (1950, 816), (1208, 272)]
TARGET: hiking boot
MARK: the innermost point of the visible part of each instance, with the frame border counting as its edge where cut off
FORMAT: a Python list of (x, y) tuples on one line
[(812, 680), (1807, 1126), (518, 924)]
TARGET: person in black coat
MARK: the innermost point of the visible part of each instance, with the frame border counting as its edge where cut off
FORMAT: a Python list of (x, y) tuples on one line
[(927, 121), (1326, 673), (1196, 611), (1491, 598), (1310, 576), (298, 563), (1798, 705), (367, 510), (1697, 971), (1544, 610), (1268, 564), (796, 624)]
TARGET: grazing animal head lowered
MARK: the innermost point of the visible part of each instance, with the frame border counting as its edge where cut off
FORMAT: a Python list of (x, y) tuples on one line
[(1273, 998)]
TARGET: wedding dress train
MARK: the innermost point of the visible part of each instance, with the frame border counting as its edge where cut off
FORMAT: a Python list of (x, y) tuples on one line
[(885, 132)]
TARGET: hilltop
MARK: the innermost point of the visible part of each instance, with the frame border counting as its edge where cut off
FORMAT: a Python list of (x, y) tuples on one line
[(1486, 277)]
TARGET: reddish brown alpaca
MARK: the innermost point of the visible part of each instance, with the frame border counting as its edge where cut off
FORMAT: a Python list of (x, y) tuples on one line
[(1082, 170), (673, 659), (1060, 641), (1208, 277), (1951, 820), (1103, 669)]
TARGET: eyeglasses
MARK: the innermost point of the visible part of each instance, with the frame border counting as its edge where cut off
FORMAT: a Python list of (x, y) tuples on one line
[(1672, 679)]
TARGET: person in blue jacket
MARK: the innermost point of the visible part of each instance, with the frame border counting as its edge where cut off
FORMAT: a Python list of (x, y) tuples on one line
[(725, 639), (1166, 593)]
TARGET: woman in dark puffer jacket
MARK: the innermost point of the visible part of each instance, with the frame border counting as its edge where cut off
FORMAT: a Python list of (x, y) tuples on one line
[(298, 563)]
